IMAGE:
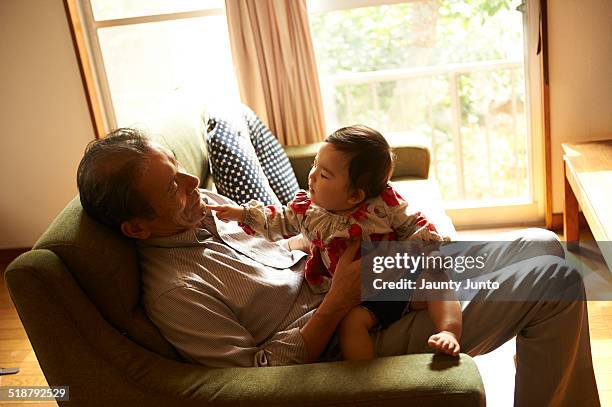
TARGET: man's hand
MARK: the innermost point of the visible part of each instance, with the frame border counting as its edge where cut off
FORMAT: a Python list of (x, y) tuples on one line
[(343, 296), (228, 213), (345, 291)]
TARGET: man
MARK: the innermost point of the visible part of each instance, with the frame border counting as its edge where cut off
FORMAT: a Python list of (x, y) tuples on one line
[(223, 298)]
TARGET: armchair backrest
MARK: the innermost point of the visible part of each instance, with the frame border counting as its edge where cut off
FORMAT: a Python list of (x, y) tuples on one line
[(105, 265), (104, 262), (182, 132)]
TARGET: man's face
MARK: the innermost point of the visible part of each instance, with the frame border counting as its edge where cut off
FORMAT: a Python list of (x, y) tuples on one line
[(173, 194)]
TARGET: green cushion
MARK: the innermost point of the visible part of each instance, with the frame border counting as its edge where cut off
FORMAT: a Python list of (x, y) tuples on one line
[(182, 132), (105, 265)]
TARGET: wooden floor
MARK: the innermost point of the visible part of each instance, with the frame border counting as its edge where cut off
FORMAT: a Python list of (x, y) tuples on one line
[(16, 351), (497, 367)]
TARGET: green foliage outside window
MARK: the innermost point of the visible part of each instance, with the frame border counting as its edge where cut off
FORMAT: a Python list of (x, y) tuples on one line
[(431, 33)]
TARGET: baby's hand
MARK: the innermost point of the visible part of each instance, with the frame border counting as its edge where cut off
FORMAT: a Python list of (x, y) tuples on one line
[(227, 213), (444, 341)]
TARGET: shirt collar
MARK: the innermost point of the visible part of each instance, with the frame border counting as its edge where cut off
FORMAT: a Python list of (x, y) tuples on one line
[(190, 237)]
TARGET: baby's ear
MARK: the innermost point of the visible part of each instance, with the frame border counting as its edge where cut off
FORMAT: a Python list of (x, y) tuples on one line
[(357, 196)]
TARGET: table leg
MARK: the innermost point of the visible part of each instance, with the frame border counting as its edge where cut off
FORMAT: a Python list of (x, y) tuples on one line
[(570, 215)]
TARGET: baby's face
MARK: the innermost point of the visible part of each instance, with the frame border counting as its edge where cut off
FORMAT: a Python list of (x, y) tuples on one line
[(328, 181)]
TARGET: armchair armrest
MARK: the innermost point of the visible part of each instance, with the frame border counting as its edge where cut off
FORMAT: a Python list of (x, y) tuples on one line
[(412, 159), (301, 158), (409, 380)]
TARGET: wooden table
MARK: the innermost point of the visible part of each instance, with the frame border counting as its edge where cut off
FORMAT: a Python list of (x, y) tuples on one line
[(588, 185)]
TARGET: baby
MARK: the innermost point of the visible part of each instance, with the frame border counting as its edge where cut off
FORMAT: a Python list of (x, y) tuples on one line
[(349, 197)]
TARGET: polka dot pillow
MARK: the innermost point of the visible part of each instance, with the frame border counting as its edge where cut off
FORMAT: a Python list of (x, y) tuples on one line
[(234, 164), (273, 159)]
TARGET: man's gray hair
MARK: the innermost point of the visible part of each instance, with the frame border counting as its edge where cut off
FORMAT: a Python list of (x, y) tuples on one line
[(107, 177)]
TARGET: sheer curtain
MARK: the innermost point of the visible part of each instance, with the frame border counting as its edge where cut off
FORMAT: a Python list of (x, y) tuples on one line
[(275, 65)]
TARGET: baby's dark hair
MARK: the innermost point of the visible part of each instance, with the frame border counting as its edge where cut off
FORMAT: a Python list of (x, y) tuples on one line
[(371, 158)]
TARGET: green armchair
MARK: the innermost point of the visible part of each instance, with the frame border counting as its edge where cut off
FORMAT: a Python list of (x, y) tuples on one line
[(78, 295)]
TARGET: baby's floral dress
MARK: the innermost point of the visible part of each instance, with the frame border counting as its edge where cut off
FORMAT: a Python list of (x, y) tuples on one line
[(387, 216)]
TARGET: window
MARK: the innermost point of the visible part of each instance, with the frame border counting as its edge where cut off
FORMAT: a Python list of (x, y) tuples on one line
[(450, 72), (150, 53), (462, 75)]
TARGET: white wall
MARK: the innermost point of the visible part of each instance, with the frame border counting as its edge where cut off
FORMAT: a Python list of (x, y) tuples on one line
[(580, 43), (44, 121)]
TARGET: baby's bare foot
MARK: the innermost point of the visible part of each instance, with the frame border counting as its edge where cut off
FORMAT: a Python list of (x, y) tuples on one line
[(445, 342)]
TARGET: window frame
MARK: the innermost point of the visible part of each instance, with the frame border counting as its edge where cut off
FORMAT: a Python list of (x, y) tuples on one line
[(500, 213), (522, 213), (85, 28)]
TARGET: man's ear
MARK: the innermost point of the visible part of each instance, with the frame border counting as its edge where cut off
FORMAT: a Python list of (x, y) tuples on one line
[(135, 229), (357, 196)]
